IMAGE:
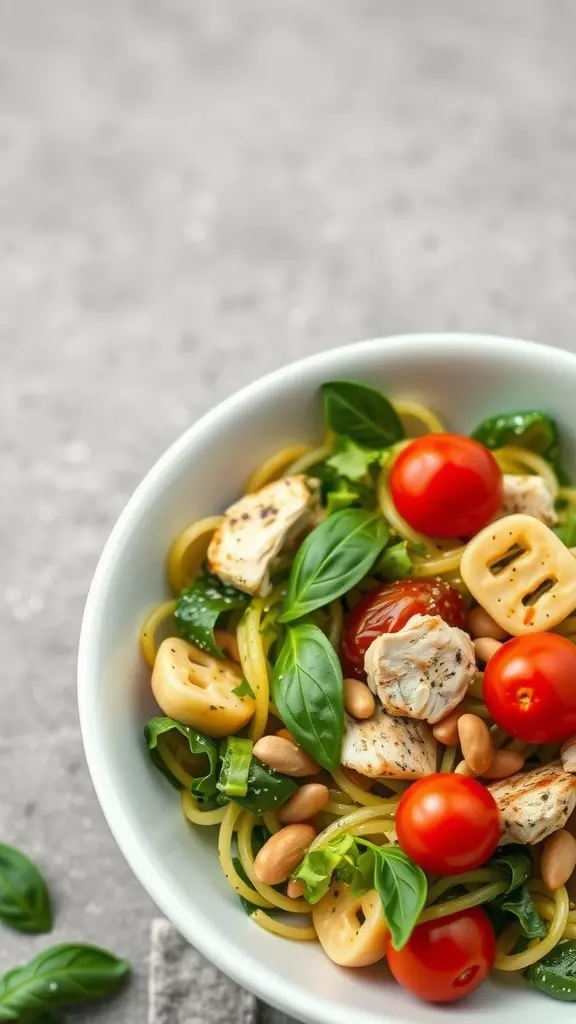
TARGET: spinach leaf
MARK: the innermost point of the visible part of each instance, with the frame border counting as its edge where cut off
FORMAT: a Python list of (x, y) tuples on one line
[(521, 905), (402, 888), (199, 608), (394, 562), (515, 864), (236, 760), (333, 559), (266, 789), (361, 413), (24, 898), (353, 462), (533, 430), (555, 974), (307, 689), (319, 865), (59, 977), (567, 531), (204, 788)]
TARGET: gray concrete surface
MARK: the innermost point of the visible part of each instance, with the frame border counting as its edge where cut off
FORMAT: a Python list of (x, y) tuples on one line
[(192, 193)]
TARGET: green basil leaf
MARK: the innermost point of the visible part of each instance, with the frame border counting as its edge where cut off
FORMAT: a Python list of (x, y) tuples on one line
[(61, 976), (515, 864), (353, 462), (236, 760), (317, 868), (521, 905), (555, 974), (307, 689), (394, 562), (24, 898), (204, 788), (358, 872), (266, 789), (333, 559), (361, 413), (533, 430), (344, 495), (244, 689), (567, 531), (402, 887), (199, 608)]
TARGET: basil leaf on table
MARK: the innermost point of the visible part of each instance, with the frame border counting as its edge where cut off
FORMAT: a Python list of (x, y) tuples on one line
[(199, 607), (266, 789), (60, 976), (333, 559), (24, 899), (394, 562), (402, 888), (515, 864), (521, 905), (555, 973), (361, 413), (204, 787), (307, 689)]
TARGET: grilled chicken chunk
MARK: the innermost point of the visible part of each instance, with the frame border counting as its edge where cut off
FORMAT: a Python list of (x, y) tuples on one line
[(422, 671), (258, 527), (385, 746), (535, 804), (530, 495)]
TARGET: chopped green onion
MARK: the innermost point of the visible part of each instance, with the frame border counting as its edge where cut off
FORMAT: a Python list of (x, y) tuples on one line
[(236, 760)]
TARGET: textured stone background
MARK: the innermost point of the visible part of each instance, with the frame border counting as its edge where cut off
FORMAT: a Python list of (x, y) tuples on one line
[(192, 193)]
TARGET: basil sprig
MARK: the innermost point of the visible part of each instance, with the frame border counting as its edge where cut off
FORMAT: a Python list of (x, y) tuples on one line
[(24, 899), (361, 413), (333, 559), (60, 976), (307, 689)]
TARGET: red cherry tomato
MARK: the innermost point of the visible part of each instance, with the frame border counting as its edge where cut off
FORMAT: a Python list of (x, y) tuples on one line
[(446, 485), (386, 609), (447, 959), (530, 688), (448, 824)]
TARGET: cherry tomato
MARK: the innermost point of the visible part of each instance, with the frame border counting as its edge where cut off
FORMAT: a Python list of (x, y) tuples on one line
[(448, 824), (446, 959), (446, 485), (530, 688), (386, 609)]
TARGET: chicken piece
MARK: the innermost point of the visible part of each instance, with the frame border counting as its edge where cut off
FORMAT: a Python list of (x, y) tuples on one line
[(530, 495), (422, 671), (534, 804), (258, 527), (568, 754), (385, 746)]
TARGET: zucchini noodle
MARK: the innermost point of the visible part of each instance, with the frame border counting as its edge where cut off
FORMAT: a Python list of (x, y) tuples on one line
[(172, 763), (471, 899), (324, 451), (275, 467), (373, 828), (519, 961), (254, 666), (276, 899), (398, 524), (357, 794), (302, 933), (443, 884), (198, 817), (409, 409), (189, 551), (349, 822), (232, 813), (271, 822), (151, 625)]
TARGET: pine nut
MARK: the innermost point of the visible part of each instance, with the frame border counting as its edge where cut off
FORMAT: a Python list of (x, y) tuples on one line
[(285, 757), (485, 647), (481, 624), (358, 699), (295, 888), (446, 731), (305, 804), (558, 858), (476, 743), (281, 855), (463, 769), (503, 764)]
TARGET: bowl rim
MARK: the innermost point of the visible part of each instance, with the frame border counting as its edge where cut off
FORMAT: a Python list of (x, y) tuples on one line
[(277, 991)]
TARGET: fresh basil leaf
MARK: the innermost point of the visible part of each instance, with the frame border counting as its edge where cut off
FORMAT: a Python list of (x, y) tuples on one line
[(402, 888), (244, 690), (199, 608), (394, 562), (24, 898), (361, 413), (266, 789), (555, 974), (319, 865), (204, 787), (307, 689), (358, 871), (567, 531), (515, 864), (533, 430), (521, 905), (235, 767), (351, 461), (333, 559), (60, 976)]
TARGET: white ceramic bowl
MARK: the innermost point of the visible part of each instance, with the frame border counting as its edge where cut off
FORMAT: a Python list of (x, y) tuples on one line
[(463, 377)]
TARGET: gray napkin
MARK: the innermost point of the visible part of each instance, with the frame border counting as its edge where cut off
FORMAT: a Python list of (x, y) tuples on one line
[(185, 989)]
